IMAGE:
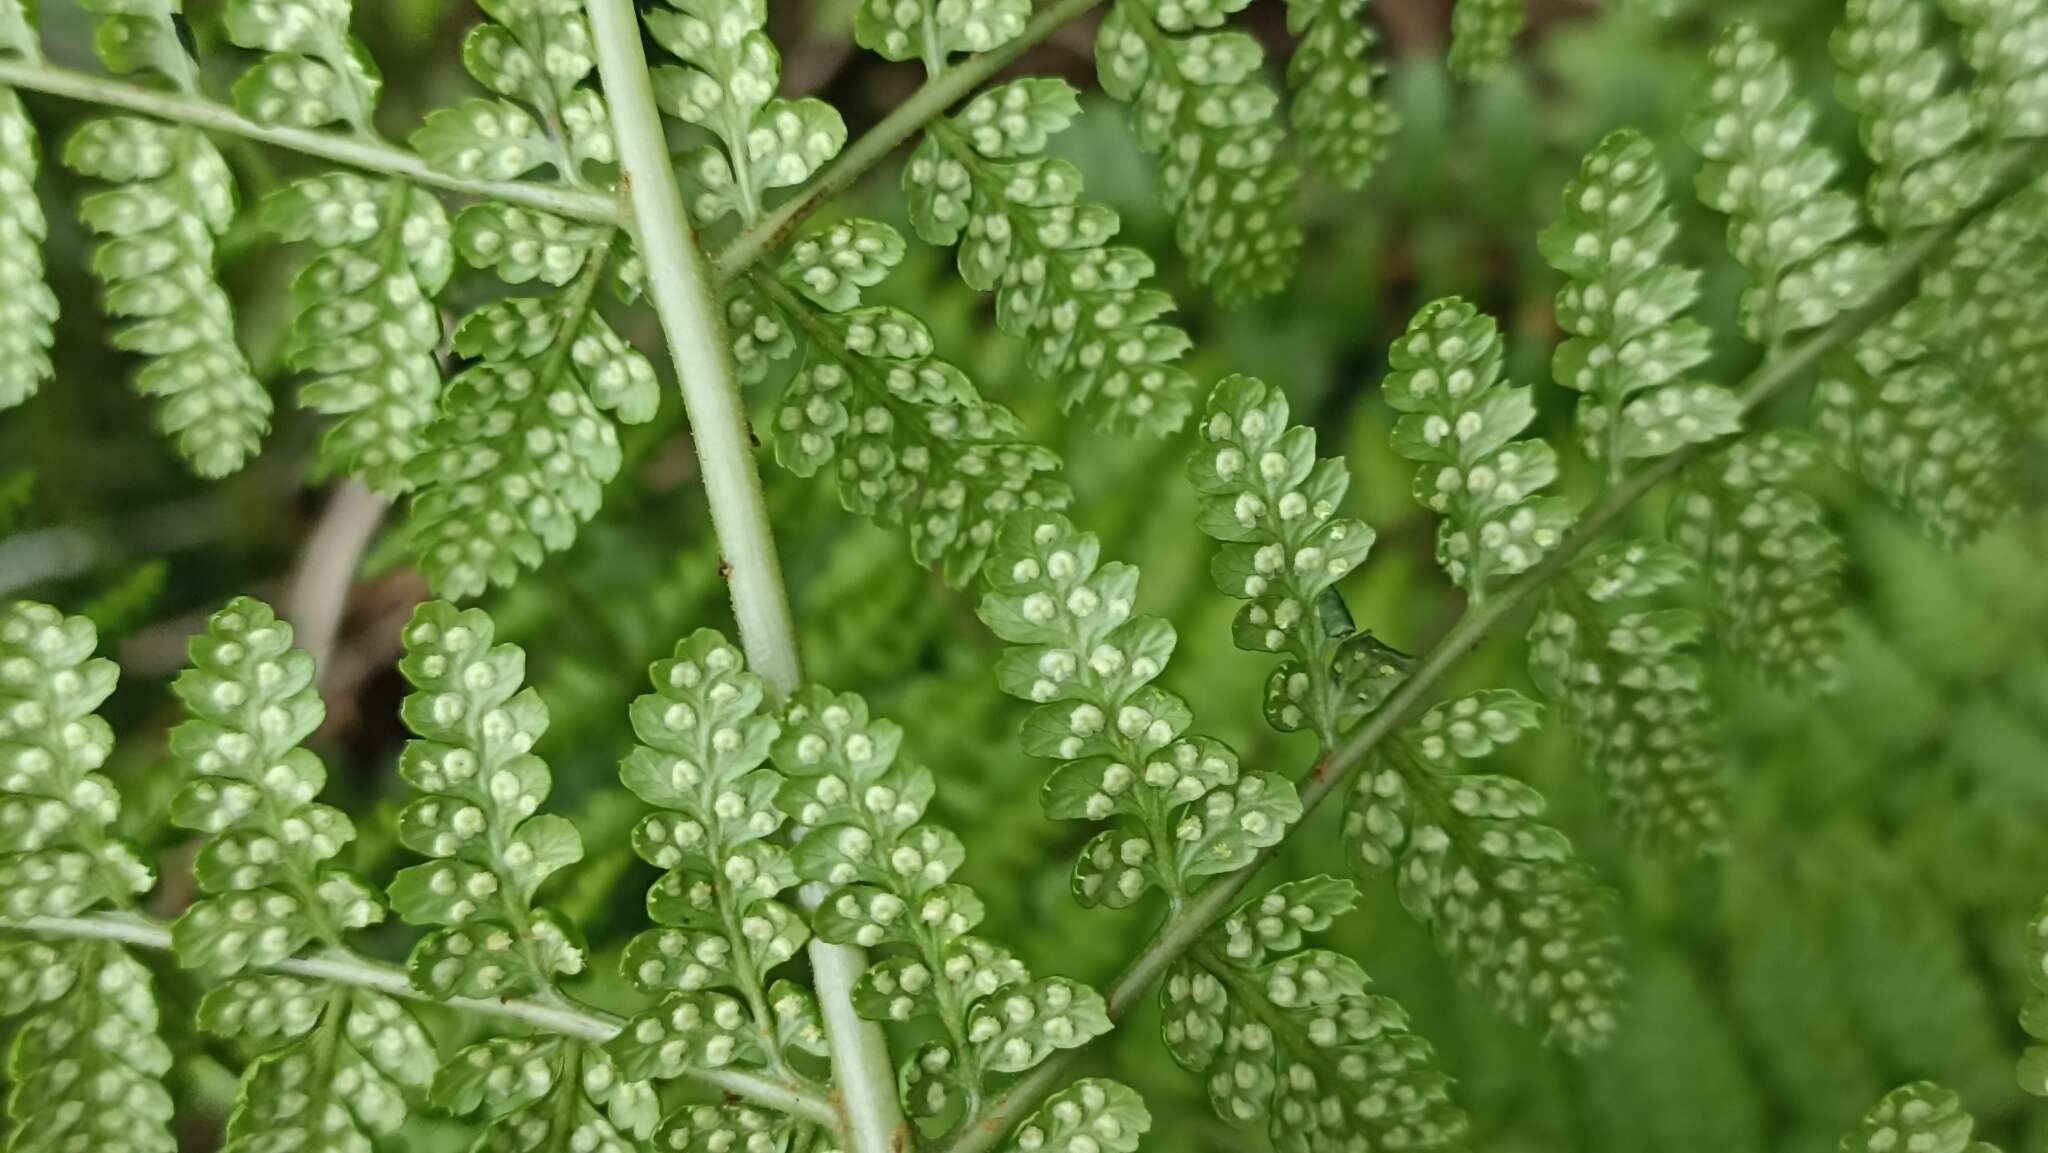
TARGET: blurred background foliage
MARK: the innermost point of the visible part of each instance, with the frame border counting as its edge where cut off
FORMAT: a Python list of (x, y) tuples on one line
[(1865, 931)]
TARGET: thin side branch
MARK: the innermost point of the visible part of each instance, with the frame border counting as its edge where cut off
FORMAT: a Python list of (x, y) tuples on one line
[(683, 296), (326, 570), (353, 151), (1185, 928), (589, 1025)]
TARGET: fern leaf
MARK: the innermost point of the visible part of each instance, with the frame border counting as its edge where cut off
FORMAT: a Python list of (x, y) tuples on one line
[(1677, 1080), (142, 36), (313, 73), (2006, 45), (1503, 893), (1275, 505), (58, 854), (1343, 124), (727, 86), (87, 1065), (2033, 1065), (1888, 932), (720, 921), (28, 309), (1182, 808), (1459, 422), (891, 885), (1899, 414), (535, 55), (1923, 1117), (1482, 35), (1978, 295), (366, 326), (1771, 561), (1915, 125), (364, 323), (1626, 305), (1211, 122), (1078, 301), (1620, 668), (1291, 1039), (1784, 992), (172, 196), (478, 816), (935, 30), (339, 1059), (547, 1095), (267, 867), (910, 439), (523, 448), (1092, 1113), (343, 1062), (1787, 225)]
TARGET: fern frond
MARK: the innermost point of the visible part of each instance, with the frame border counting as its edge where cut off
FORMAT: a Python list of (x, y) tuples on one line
[(2006, 45), (2033, 1064), (1787, 225), (1275, 506), (87, 1065), (28, 309), (1482, 35), (525, 440), (1079, 302), (912, 441), (1503, 893), (547, 1093), (891, 884), (1626, 306), (1620, 668), (339, 1059), (1090, 1114), (1900, 415), (728, 87), (523, 448), (1771, 561), (58, 854), (934, 31), (1785, 994), (478, 816), (491, 848), (313, 74), (1201, 108), (1887, 932), (171, 198), (535, 56), (1459, 422), (721, 922), (1291, 1039), (1979, 295), (366, 326), (1182, 808), (1923, 1117), (1343, 124), (1915, 125), (267, 866)]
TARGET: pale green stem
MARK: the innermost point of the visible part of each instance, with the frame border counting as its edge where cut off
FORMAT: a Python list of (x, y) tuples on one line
[(353, 151), (1186, 925), (862, 1074), (584, 1024)]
